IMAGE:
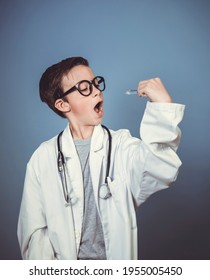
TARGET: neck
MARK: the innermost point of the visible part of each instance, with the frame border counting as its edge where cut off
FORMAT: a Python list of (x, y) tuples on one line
[(79, 132)]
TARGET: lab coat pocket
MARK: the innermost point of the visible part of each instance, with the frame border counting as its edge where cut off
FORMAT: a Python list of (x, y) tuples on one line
[(123, 202), (40, 246)]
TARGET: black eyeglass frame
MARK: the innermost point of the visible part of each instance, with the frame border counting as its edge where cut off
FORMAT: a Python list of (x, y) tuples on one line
[(91, 83)]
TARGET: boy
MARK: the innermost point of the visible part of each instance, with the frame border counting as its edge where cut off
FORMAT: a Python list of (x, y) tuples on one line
[(82, 188)]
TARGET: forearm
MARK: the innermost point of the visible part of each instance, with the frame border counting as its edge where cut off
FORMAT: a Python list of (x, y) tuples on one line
[(161, 136), (155, 163), (159, 125)]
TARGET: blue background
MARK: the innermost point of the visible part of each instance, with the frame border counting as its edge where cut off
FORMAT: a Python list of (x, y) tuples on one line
[(125, 41)]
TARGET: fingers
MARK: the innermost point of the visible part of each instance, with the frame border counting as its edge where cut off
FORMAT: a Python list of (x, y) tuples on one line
[(142, 88), (154, 90), (146, 86)]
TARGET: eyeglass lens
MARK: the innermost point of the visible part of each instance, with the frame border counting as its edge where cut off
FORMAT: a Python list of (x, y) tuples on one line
[(86, 87)]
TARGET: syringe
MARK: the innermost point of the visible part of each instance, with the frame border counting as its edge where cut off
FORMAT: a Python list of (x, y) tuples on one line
[(131, 91)]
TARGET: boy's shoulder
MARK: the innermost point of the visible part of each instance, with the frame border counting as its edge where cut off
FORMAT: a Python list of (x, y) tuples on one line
[(121, 135), (45, 148), (119, 132)]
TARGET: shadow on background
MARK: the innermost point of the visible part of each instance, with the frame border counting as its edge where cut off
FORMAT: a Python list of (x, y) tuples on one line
[(174, 224)]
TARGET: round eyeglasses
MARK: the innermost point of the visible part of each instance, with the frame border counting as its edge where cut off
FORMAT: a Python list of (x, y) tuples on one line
[(85, 87)]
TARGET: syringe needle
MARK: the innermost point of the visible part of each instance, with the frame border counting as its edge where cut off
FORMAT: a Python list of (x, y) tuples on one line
[(131, 91)]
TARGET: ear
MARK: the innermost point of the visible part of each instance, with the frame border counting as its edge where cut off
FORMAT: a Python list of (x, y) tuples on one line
[(62, 105)]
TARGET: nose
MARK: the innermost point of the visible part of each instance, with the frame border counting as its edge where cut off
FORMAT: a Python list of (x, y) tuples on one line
[(96, 91)]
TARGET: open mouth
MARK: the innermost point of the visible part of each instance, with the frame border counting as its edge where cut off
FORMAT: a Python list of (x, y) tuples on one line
[(99, 107)]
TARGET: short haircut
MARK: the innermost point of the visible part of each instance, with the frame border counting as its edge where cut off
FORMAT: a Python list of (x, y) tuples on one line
[(50, 83)]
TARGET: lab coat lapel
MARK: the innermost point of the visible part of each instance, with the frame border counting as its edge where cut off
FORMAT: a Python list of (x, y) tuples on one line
[(74, 176), (97, 155), (73, 164)]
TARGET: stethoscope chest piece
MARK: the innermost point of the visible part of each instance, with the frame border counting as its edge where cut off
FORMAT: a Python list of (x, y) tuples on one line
[(104, 191)]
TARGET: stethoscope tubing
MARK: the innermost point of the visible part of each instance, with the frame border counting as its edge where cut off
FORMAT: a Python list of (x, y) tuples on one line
[(62, 171), (109, 153)]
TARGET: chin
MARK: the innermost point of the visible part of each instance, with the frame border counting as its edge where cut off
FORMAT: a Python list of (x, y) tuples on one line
[(97, 122)]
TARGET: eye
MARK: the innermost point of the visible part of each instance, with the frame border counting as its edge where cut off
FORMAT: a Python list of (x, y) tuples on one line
[(83, 86)]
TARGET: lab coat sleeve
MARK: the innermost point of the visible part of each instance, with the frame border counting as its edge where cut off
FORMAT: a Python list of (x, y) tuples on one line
[(32, 230), (154, 163)]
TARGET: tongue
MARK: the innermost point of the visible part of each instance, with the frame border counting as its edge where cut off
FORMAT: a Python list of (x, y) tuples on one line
[(98, 108)]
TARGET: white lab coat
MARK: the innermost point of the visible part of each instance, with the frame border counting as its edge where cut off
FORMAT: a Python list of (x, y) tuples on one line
[(47, 229)]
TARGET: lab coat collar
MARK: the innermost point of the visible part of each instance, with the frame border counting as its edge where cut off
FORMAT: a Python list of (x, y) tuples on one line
[(97, 138), (68, 146)]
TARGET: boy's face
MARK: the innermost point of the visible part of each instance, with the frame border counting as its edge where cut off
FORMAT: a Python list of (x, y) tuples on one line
[(84, 110)]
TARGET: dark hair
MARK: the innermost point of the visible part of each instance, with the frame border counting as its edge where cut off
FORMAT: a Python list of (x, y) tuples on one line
[(50, 83)]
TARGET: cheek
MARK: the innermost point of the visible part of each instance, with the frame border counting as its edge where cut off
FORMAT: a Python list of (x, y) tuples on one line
[(80, 107)]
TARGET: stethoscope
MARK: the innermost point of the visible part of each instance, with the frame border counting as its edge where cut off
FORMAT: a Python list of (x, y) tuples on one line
[(104, 190)]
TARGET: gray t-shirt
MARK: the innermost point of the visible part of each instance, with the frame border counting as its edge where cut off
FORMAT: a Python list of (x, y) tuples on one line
[(92, 246)]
